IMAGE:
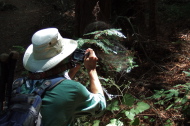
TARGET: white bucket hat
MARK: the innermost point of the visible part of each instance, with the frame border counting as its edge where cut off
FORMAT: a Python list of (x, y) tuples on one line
[(48, 48)]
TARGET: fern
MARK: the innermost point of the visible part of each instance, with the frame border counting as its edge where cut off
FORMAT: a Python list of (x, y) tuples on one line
[(103, 47), (108, 41), (103, 39), (110, 33), (97, 43)]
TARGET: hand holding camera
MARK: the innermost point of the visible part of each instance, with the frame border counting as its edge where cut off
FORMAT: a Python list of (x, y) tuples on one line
[(87, 57), (90, 60)]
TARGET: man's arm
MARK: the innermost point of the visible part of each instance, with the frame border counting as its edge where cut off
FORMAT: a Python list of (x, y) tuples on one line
[(90, 65), (73, 71)]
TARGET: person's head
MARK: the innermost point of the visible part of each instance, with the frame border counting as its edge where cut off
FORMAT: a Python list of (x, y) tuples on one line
[(48, 49)]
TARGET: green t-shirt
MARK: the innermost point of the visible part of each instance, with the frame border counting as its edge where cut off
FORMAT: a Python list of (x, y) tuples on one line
[(67, 101)]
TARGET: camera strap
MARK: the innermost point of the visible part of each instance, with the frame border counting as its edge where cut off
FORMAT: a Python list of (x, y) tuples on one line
[(52, 72)]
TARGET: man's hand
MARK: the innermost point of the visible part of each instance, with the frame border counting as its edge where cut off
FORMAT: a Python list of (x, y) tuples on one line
[(90, 60), (89, 63)]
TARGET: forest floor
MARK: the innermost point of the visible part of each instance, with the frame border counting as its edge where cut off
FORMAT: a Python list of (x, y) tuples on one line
[(162, 66)]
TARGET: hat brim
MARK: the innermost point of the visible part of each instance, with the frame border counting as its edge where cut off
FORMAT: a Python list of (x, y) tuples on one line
[(33, 65)]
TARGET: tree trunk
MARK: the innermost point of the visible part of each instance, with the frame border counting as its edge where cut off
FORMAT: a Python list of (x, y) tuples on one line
[(85, 14), (152, 20)]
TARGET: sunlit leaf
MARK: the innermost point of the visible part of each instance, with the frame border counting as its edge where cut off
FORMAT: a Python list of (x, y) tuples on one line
[(146, 117), (187, 73), (130, 115), (113, 106), (184, 100), (158, 94), (115, 122), (169, 106), (142, 106), (172, 92), (128, 99), (96, 123)]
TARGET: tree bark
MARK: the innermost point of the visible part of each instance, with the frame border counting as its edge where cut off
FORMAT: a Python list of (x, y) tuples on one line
[(152, 20), (84, 13)]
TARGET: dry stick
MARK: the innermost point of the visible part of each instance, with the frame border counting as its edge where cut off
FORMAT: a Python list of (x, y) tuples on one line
[(3, 77), (12, 60)]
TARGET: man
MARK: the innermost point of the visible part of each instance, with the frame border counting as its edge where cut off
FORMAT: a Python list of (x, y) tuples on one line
[(48, 54)]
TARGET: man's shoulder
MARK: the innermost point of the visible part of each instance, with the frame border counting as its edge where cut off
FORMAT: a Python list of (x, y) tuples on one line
[(67, 81), (73, 83)]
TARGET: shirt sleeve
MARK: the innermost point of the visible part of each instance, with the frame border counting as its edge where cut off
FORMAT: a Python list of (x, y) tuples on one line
[(89, 103)]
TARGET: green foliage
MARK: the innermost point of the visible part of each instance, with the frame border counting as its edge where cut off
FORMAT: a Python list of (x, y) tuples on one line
[(132, 108), (96, 123), (113, 106), (102, 39), (108, 44), (168, 123), (187, 73), (130, 114), (98, 43), (128, 100), (19, 49), (135, 122), (166, 96), (109, 33), (131, 64), (176, 98), (126, 108), (115, 122), (140, 107), (173, 94), (82, 121), (110, 83)]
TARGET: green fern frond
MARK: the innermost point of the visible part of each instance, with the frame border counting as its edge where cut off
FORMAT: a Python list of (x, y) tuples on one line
[(103, 47), (107, 42), (107, 34), (98, 43)]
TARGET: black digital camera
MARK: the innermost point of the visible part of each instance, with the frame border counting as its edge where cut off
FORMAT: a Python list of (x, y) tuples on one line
[(78, 55)]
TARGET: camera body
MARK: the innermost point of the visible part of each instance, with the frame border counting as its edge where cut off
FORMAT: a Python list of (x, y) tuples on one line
[(78, 56)]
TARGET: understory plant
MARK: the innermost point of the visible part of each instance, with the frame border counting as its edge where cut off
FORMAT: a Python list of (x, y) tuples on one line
[(176, 98), (114, 58), (122, 107), (108, 47)]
